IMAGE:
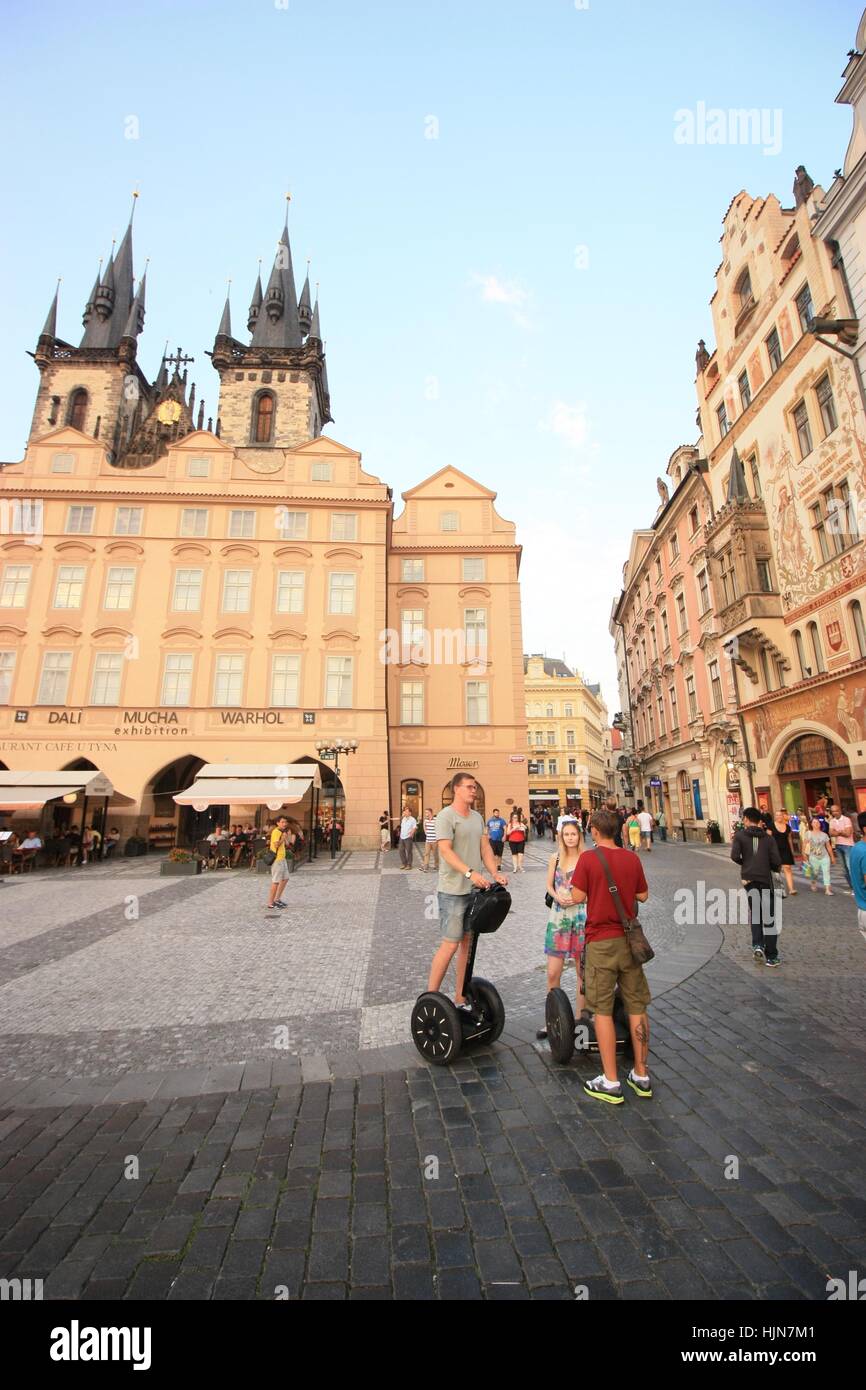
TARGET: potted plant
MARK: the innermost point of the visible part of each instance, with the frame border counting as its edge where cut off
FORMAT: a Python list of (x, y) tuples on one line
[(180, 862), (262, 866), (135, 845), (714, 834)]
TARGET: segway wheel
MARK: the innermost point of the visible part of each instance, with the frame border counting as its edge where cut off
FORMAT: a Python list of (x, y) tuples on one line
[(436, 1029), (559, 1017), (490, 1001)]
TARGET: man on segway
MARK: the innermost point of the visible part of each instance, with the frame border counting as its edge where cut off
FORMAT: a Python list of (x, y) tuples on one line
[(464, 852)]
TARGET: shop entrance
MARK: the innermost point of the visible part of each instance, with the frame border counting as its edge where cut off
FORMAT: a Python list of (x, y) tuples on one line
[(412, 797), (812, 767), (170, 824)]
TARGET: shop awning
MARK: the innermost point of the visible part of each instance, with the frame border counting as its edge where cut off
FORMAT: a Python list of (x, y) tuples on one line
[(20, 791), (264, 784)]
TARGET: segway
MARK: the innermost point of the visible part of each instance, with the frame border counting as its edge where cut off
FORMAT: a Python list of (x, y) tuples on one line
[(564, 1034), (440, 1030)]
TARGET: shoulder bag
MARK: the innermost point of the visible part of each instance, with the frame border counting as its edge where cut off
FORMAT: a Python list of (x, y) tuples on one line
[(548, 897), (641, 950)]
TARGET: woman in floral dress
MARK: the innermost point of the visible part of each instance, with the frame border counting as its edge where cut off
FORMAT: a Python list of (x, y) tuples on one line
[(566, 924)]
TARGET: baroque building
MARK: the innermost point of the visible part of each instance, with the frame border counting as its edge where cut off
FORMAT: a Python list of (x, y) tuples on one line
[(565, 723), (177, 591)]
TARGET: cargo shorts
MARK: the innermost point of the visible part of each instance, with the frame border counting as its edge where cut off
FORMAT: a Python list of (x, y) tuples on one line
[(453, 908), (608, 963)]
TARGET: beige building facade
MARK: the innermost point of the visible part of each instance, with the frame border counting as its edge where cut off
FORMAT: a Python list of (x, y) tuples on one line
[(175, 594), (566, 721)]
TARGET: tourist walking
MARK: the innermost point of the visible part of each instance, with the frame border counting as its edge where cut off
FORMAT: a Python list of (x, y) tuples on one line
[(818, 854), (608, 961), (496, 833), (566, 922), (384, 831), (431, 847), (781, 832), (661, 822), (278, 844), (758, 856), (632, 828), (465, 852), (408, 826), (645, 821), (610, 805), (516, 837), (841, 837)]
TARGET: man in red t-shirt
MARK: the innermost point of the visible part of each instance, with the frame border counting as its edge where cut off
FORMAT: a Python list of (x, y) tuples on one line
[(608, 959)]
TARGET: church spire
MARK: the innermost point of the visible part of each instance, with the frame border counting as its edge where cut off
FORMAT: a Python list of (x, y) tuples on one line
[(737, 490), (106, 315), (50, 329), (135, 320), (278, 326), (256, 302), (225, 328), (315, 326), (305, 312)]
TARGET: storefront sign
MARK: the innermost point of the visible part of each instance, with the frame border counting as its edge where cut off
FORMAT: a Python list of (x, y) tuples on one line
[(64, 716), (535, 769), (309, 716), (517, 758), (461, 764), (655, 781), (251, 716)]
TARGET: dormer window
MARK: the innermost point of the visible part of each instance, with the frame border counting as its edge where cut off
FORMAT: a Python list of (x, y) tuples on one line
[(77, 413), (263, 418)]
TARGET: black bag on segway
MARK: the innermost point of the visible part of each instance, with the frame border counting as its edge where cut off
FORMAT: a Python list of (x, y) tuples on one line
[(488, 909)]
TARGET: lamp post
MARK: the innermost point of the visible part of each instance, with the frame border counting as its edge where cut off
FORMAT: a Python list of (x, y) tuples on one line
[(333, 750)]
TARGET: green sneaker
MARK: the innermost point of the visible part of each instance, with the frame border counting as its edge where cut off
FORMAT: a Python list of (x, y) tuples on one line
[(640, 1088), (601, 1089)]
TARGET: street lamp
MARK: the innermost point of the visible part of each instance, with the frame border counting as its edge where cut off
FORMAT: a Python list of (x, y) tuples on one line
[(327, 751), (729, 748)]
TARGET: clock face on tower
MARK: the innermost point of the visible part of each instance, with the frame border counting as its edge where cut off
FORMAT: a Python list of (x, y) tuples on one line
[(169, 413), (265, 463)]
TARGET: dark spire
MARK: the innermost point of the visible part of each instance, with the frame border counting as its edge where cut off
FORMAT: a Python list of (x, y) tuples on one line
[(91, 301), (256, 303), (162, 375), (225, 328), (107, 315), (278, 326), (135, 321), (315, 326), (737, 490), (50, 329), (305, 313)]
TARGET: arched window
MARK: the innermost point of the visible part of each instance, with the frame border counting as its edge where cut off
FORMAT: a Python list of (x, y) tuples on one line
[(816, 648), (263, 418), (859, 629), (801, 655), (77, 412)]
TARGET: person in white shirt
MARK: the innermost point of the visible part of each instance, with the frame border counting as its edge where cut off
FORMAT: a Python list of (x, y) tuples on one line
[(408, 826), (645, 821), (431, 847)]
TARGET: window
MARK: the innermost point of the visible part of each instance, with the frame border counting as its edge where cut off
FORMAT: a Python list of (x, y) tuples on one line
[(341, 593), (263, 418), (344, 526), (780, 672), (774, 351), (548, 712), (475, 629), (237, 591), (290, 591), (553, 767), (827, 405), (449, 521), (728, 576), (127, 521), (551, 738), (16, 582), (756, 476), (687, 809), (859, 630), (569, 711), (817, 649), (321, 471), (765, 668), (285, 680), (834, 521), (473, 567), (801, 655), (293, 525), (651, 724), (54, 680), (569, 738), (77, 413), (119, 587), (193, 521), (672, 694), (412, 628), (722, 417), (198, 468), (804, 308), (411, 571), (242, 525), (539, 739), (661, 709), (107, 670), (338, 682), (658, 569), (62, 463), (187, 591), (412, 702), (69, 588), (675, 547), (694, 521), (765, 582), (7, 666), (681, 614), (177, 679), (704, 591), (572, 767), (691, 696), (715, 685), (666, 633), (745, 390), (476, 702), (79, 521), (528, 738), (228, 686), (743, 291), (804, 432)]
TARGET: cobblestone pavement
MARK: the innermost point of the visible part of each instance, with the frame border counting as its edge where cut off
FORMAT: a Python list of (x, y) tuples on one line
[(347, 1173)]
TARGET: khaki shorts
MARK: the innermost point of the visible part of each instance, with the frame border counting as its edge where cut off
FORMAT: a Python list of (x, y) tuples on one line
[(609, 962), (279, 870)]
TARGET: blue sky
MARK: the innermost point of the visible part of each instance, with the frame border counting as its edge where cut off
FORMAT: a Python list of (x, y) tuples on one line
[(520, 295)]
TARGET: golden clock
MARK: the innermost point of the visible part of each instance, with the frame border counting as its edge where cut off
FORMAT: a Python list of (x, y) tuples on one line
[(169, 413)]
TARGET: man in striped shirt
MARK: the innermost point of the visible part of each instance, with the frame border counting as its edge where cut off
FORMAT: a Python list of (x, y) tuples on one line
[(431, 848)]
